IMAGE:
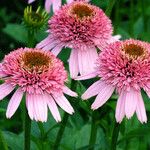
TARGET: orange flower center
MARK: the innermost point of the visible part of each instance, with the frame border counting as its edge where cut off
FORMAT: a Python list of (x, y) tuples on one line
[(134, 51), (82, 10), (36, 59)]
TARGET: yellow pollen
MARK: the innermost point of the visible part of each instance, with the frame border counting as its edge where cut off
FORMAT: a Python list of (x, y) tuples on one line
[(134, 51), (82, 10), (35, 59)]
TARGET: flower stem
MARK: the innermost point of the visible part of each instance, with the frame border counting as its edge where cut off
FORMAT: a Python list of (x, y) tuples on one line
[(27, 130), (64, 122), (61, 131), (31, 39), (3, 144), (110, 7), (115, 135), (93, 131)]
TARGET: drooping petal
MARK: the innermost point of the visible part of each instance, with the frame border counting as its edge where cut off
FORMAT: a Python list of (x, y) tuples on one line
[(87, 60), (140, 109), (14, 103), (45, 42), (87, 76), (40, 107), (5, 89), (53, 108), (69, 92), (56, 50), (48, 5), (93, 90), (131, 102), (56, 5), (73, 64), (30, 106), (120, 108), (37, 107), (30, 1), (104, 94), (114, 39), (69, 1), (64, 103)]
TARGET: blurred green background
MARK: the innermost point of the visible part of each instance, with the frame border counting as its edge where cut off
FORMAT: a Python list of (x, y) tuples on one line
[(131, 19)]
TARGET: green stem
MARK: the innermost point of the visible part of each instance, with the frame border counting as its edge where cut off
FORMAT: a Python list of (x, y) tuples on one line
[(31, 39), (94, 127), (110, 7), (61, 131), (27, 130), (131, 27), (64, 122), (3, 144), (144, 14), (115, 135)]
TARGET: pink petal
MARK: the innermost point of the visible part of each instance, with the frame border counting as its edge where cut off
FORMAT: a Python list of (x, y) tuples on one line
[(38, 108), (44, 42), (87, 76), (14, 103), (73, 64), (93, 90), (5, 89), (87, 60), (56, 50), (140, 109), (69, 92), (30, 1), (120, 108), (64, 104), (69, 1), (53, 108), (131, 102), (30, 106), (114, 39), (56, 5), (104, 94), (48, 5)]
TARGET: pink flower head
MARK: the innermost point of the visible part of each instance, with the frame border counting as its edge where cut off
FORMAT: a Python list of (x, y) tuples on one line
[(56, 4), (124, 66), (82, 27), (41, 77)]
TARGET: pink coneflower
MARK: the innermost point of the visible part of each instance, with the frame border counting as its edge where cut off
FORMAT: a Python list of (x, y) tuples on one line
[(82, 27), (40, 76), (124, 66)]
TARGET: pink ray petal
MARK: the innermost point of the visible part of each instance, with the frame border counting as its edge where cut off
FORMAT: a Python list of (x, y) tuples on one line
[(131, 102), (5, 89), (94, 89), (30, 1), (73, 64), (140, 109), (56, 50), (14, 103), (64, 104), (103, 96), (87, 76), (53, 108), (87, 60), (120, 108), (56, 5), (48, 5), (69, 92)]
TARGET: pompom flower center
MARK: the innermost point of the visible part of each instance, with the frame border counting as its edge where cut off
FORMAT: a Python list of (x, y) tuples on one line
[(35, 59), (134, 51), (82, 10)]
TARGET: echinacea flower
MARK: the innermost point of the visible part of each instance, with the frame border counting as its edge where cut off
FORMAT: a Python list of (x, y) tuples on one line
[(82, 27), (38, 75), (124, 66)]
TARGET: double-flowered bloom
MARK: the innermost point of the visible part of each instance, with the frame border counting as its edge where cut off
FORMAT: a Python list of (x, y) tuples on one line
[(38, 75), (83, 28), (125, 67)]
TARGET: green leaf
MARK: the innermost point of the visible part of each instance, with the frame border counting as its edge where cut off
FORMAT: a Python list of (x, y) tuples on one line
[(17, 32)]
